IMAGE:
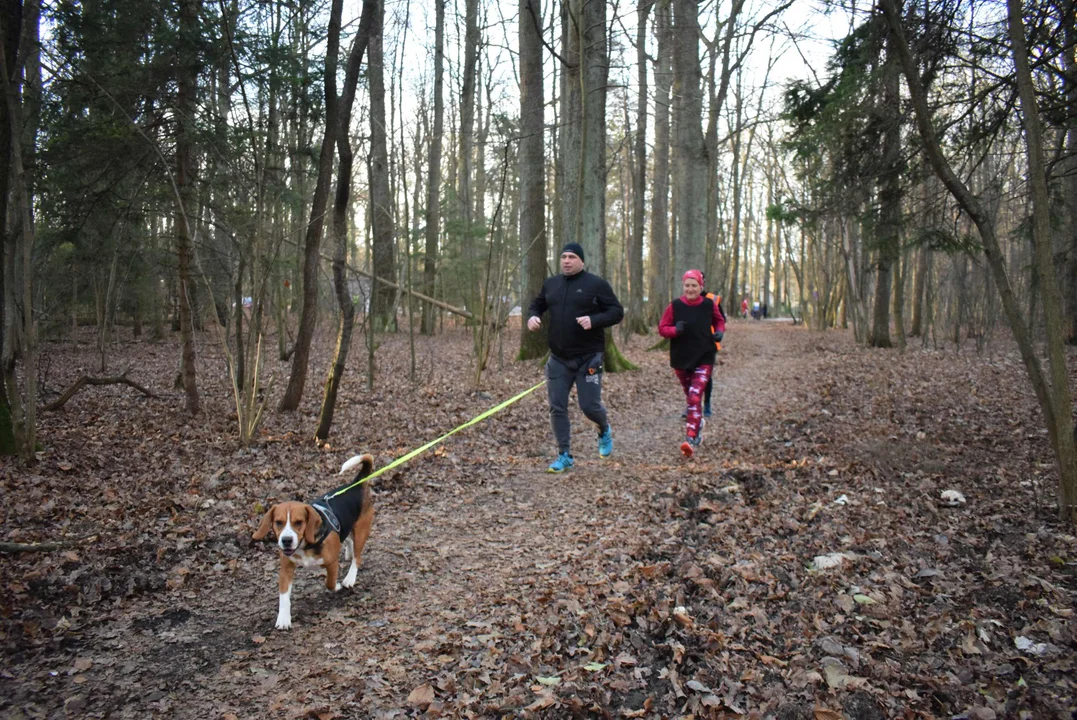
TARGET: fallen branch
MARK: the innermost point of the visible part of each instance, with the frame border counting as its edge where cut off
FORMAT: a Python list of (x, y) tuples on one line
[(415, 293), (87, 380), (14, 547)]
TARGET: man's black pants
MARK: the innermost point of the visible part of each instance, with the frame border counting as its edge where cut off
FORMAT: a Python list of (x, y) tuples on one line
[(586, 373)]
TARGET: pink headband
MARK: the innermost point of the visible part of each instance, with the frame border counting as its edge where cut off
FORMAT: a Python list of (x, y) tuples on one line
[(695, 275)]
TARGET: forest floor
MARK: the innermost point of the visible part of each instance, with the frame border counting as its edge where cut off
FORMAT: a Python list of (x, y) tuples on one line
[(640, 586)]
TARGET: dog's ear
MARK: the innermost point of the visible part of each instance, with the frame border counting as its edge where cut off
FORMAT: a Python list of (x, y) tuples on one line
[(267, 523), (314, 524)]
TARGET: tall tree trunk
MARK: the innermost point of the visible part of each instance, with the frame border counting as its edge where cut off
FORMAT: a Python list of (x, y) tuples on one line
[(689, 152), (466, 139), (736, 289), (10, 31), (433, 183), (339, 226), (660, 249), (312, 244), (899, 270), (1061, 395), (187, 66), (766, 297), (918, 286), (890, 196), (583, 135), (380, 197), (1069, 184), (532, 172), (636, 321)]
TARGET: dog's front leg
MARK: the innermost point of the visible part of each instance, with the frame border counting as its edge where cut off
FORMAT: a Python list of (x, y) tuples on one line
[(284, 610)]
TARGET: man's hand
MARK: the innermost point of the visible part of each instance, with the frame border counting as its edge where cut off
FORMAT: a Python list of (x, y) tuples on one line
[(679, 327), (534, 324), (584, 321), (718, 335)]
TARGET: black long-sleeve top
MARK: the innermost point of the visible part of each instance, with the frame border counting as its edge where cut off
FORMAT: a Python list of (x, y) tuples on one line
[(568, 297)]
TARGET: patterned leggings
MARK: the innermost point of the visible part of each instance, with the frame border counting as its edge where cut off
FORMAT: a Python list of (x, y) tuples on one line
[(694, 382)]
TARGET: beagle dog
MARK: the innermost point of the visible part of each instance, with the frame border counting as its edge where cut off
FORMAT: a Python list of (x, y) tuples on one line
[(312, 534)]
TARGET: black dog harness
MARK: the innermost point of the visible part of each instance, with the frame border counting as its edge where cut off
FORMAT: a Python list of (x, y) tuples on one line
[(339, 513)]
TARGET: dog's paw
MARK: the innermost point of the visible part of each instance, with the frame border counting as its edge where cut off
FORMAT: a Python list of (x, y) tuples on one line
[(284, 622), (349, 579), (337, 588)]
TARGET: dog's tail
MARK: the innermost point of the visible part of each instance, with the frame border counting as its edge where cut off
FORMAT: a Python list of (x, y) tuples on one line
[(365, 463)]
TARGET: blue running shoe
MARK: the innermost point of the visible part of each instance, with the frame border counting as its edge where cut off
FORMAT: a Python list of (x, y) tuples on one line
[(707, 410), (605, 443), (563, 462)]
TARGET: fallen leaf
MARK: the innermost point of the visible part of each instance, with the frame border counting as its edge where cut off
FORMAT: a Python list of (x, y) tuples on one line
[(824, 714), (543, 701), (421, 696)]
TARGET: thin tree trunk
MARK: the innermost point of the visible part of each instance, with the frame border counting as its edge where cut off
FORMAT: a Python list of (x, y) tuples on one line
[(1069, 184), (466, 139), (1061, 395), (309, 315), (636, 322), (187, 90), (433, 183), (532, 174), (380, 197), (339, 226), (660, 249)]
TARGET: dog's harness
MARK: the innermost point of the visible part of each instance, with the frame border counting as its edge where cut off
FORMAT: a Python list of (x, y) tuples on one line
[(330, 522)]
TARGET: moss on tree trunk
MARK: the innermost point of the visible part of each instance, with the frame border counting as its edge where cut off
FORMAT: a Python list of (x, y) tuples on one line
[(614, 361)]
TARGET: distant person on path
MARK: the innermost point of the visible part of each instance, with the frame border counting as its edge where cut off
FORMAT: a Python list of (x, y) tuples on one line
[(581, 306), (693, 325), (744, 308)]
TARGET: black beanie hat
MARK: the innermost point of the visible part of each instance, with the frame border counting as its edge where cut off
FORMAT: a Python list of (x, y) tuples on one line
[(574, 248)]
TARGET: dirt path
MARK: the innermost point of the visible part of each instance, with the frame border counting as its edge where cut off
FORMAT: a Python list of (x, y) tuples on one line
[(495, 583)]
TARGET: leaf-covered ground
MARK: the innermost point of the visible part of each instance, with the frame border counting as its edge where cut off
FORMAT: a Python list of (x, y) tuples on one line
[(641, 586)]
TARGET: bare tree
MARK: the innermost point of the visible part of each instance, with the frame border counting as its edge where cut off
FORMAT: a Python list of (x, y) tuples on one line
[(635, 321), (187, 87), (383, 297), (339, 227), (433, 183), (19, 329), (532, 171), (689, 152), (660, 289), (311, 247), (888, 237)]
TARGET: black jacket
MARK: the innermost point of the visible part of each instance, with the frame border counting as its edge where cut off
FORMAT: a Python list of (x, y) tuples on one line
[(572, 296)]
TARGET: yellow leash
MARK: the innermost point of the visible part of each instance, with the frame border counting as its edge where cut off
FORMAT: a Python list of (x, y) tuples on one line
[(401, 460)]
